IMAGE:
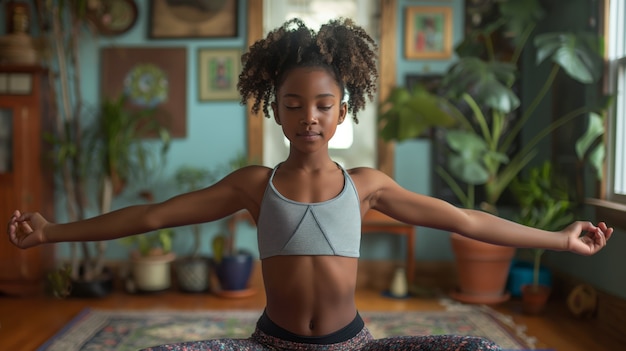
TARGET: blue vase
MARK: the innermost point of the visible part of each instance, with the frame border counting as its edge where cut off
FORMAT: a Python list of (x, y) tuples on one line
[(521, 274), (234, 272)]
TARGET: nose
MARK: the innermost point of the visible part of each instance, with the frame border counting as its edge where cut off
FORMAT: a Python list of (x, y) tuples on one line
[(309, 117)]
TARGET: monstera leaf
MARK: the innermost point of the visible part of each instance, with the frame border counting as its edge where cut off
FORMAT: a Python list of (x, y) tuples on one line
[(410, 114), (579, 55), (489, 83)]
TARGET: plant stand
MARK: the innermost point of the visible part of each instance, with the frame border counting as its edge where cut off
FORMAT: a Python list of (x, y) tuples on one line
[(482, 270)]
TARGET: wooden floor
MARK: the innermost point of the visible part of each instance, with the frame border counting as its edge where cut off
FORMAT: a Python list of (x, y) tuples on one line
[(25, 323)]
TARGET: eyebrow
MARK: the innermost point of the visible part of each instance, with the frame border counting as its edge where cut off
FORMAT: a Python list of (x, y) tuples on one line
[(317, 96)]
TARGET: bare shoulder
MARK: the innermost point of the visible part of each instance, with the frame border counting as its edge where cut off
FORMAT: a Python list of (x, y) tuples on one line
[(252, 177), (369, 182), (369, 175), (248, 184), (253, 171)]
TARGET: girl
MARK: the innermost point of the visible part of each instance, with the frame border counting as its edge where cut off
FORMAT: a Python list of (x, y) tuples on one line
[(308, 209)]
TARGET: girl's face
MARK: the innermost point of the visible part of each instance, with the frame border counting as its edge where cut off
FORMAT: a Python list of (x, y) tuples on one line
[(308, 106)]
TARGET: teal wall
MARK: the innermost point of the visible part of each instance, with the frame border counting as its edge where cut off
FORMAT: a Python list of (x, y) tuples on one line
[(216, 132)]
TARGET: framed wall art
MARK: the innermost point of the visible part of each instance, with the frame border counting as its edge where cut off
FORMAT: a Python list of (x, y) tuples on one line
[(150, 78), (428, 32), (218, 71), (175, 19), (429, 81)]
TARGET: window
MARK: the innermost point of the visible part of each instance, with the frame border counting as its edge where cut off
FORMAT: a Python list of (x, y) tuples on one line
[(616, 44), (352, 145)]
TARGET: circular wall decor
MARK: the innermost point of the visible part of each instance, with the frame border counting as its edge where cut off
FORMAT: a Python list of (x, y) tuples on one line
[(113, 17)]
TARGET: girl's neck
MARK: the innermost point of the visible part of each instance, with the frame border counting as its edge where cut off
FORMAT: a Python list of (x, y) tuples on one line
[(309, 162)]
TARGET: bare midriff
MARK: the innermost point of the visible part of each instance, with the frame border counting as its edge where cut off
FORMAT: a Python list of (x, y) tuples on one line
[(310, 295)]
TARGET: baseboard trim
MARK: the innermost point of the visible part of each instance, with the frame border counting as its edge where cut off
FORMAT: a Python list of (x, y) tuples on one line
[(610, 314)]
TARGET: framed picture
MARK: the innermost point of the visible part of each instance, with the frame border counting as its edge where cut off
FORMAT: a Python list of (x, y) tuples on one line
[(428, 32), (150, 78), (219, 72), (430, 81), (175, 19)]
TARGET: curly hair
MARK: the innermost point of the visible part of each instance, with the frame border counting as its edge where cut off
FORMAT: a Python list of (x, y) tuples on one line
[(341, 47)]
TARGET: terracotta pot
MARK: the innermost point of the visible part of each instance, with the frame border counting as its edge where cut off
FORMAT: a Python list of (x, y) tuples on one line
[(482, 270), (534, 298)]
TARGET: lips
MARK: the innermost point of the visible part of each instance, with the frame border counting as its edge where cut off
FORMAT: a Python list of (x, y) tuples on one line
[(309, 135)]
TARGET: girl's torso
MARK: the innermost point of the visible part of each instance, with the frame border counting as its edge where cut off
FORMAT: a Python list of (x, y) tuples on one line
[(309, 295)]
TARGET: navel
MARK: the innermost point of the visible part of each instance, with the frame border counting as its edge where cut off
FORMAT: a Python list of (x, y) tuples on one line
[(311, 325)]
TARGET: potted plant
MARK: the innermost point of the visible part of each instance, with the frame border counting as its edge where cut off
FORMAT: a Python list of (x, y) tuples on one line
[(62, 24), (483, 120), (232, 267), (112, 151), (60, 28), (192, 271), (150, 261), (545, 203)]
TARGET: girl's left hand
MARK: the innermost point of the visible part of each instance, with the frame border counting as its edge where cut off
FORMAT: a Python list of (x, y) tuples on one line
[(592, 241)]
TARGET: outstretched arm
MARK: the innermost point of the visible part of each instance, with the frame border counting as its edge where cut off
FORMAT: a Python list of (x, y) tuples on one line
[(388, 197), (217, 201)]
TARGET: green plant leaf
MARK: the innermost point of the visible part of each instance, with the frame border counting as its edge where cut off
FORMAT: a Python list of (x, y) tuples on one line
[(410, 115), (595, 129), (519, 15), (596, 159), (578, 54), (466, 163), (218, 245), (487, 82)]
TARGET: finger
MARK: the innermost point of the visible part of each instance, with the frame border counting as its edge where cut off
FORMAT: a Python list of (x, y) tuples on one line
[(26, 216), (11, 227), (600, 239), (26, 227), (608, 233), (587, 226)]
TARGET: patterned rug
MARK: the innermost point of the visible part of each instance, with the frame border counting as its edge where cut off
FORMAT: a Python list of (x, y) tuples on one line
[(131, 330)]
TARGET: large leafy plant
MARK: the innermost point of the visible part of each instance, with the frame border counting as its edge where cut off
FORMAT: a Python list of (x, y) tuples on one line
[(545, 203), (478, 108)]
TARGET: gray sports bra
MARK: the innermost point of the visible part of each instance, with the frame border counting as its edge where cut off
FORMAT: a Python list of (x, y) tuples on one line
[(332, 227)]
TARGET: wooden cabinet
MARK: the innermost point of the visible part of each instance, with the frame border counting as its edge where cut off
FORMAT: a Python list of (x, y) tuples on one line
[(26, 181)]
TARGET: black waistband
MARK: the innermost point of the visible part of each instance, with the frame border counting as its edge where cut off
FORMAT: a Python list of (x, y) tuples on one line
[(268, 327)]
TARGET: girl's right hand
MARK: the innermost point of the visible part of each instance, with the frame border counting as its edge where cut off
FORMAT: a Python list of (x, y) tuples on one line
[(26, 230)]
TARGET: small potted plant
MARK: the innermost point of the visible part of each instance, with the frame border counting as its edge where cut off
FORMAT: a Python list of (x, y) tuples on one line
[(192, 271), (546, 204), (150, 261), (232, 267)]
